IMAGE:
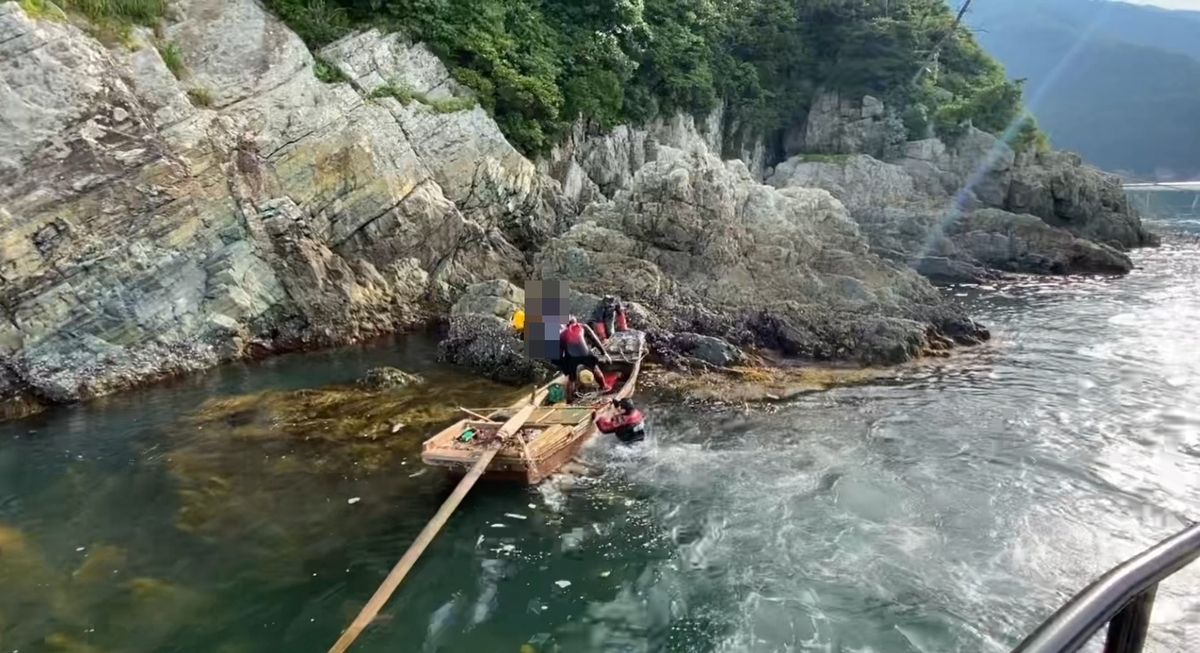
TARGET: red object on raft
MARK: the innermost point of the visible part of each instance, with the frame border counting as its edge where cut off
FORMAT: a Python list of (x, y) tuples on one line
[(611, 378)]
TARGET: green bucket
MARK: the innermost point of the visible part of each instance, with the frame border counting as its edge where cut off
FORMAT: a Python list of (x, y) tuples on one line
[(556, 394)]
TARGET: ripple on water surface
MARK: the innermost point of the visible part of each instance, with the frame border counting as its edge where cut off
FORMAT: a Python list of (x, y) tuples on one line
[(950, 510)]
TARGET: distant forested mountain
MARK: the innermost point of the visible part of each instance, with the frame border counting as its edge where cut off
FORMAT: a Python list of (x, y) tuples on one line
[(1117, 82)]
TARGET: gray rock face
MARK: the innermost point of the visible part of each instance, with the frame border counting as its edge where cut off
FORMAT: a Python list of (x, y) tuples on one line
[(963, 213), (144, 234), (464, 152), (496, 297), (705, 246), (837, 125), (594, 167), (677, 348), (1064, 192)]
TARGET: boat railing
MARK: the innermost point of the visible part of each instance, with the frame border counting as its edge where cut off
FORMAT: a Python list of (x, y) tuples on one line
[(1122, 598)]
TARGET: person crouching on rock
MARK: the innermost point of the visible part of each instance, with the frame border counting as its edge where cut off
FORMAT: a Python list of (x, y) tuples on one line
[(609, 317), (574, 353), (627, 425)]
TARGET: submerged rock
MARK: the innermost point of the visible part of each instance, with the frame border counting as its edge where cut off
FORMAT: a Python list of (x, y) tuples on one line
[(388, 378)]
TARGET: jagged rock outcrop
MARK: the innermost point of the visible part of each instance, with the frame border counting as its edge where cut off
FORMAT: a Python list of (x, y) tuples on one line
[(704, 245), (485, 177), (839, 125), (961, 213), (151, 225), (593, 167)]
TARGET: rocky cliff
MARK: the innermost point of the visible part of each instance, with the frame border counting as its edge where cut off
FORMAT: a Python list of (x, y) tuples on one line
[(961, 212), (159, 219), (156, 221)]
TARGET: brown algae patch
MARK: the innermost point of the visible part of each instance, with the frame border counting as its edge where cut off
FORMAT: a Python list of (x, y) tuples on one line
[(18, 407), (45, 607), (760, 383), (102, 564), (274, 470)]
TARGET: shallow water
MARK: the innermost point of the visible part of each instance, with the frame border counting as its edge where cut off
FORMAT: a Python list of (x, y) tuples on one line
[(950, 510)]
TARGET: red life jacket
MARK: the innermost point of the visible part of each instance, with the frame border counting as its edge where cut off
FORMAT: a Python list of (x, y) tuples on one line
[(627, 427), (571, 342)]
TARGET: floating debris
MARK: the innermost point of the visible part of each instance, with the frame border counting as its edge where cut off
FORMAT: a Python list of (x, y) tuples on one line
[(563, 583), (353, 500), (515, 515)]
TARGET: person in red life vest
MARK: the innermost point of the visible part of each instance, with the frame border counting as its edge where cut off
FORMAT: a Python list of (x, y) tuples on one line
[(609, 317), (627, 425), (574, 352)]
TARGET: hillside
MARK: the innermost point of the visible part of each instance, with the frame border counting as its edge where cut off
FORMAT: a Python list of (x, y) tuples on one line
[(1118, 83), (539, 65)]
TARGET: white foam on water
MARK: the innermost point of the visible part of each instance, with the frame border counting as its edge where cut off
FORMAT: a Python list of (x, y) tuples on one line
[(491, 571)]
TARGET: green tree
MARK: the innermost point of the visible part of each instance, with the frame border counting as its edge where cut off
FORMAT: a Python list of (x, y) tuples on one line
[(539, 65)]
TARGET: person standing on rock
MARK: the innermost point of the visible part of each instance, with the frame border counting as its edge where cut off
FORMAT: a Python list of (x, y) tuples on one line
[(609, 317), (574, 352)]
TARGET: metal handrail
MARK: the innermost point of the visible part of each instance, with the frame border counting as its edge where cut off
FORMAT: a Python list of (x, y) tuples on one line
[(1122, 598)]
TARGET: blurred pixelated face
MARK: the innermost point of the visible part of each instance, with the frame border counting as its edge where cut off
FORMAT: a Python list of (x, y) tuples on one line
[(547, 303)]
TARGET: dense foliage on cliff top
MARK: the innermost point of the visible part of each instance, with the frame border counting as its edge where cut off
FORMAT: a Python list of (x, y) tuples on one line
[(539, 64)]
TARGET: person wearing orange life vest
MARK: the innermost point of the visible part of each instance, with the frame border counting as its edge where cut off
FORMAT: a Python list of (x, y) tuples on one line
[(627, 426), (574, 353), (609, 317)]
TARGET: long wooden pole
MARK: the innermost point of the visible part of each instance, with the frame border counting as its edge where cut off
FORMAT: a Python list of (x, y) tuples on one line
[(406, 562)]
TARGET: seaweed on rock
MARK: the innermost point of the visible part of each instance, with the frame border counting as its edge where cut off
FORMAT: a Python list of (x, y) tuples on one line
[(272, 471)]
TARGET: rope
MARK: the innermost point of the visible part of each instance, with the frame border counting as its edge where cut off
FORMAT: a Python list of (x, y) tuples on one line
[(592, 396)]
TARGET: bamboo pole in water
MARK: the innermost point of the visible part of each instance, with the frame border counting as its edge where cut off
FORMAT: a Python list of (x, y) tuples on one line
[(406, 562)]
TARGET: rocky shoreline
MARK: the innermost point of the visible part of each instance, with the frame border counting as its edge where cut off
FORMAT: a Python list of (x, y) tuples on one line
[(159, 220)]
